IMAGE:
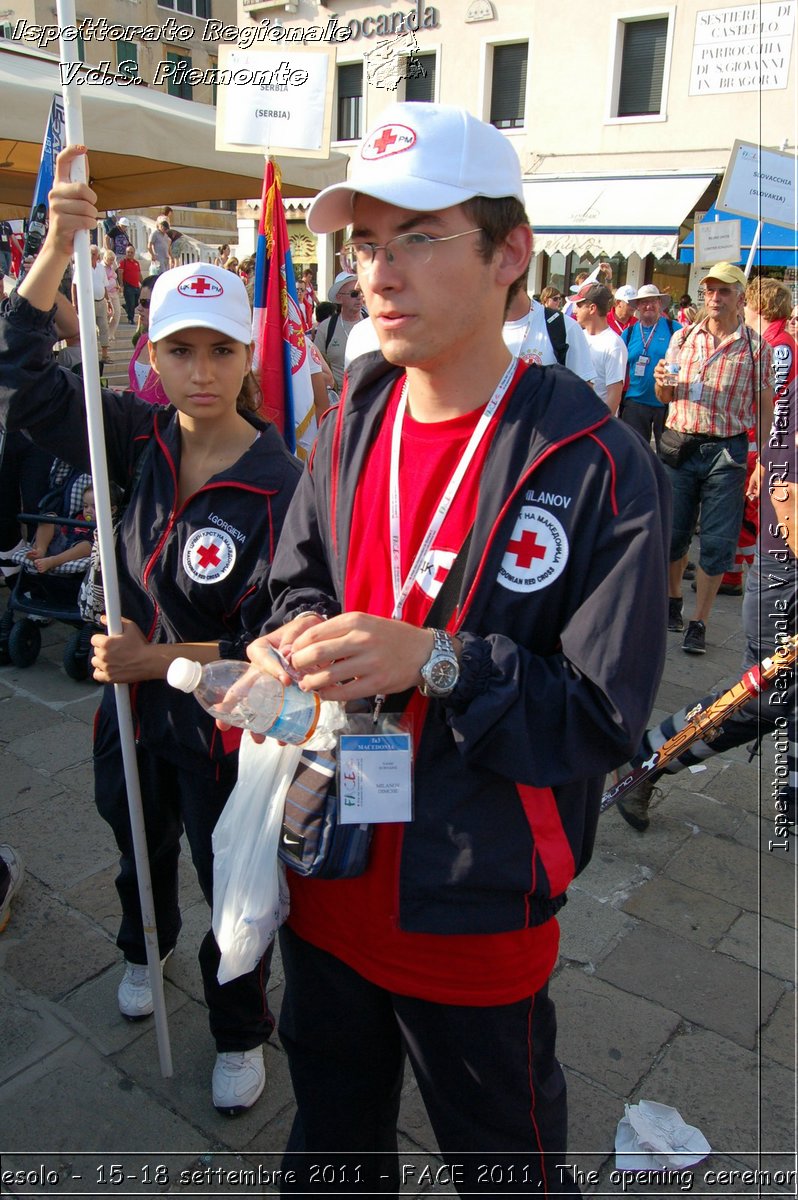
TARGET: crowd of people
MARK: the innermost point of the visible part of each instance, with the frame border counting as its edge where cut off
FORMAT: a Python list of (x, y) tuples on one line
[(488, 544)]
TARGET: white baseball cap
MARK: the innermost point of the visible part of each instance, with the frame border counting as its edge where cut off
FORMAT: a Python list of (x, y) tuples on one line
[(422, 157), (626, 292), (340, 279), (200, 296)]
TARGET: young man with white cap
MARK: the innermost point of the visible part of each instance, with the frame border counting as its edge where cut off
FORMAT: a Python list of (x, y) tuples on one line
[(718, 388), (622, 313), (333, 333), (448, 455), (208, 484)]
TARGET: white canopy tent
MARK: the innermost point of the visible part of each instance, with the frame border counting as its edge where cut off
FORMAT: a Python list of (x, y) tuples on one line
[(144, 147)]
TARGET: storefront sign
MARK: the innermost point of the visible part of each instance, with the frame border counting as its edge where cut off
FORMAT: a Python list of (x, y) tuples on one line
[(388, 23), (717, 241), (745, 49)]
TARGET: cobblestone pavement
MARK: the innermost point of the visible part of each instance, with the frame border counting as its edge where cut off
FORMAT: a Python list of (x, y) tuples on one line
[(676, 981)]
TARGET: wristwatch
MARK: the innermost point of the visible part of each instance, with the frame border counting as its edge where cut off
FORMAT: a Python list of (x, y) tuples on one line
[(442, 669)]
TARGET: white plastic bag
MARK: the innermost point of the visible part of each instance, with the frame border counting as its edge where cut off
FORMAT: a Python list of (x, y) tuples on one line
[(250, 895)]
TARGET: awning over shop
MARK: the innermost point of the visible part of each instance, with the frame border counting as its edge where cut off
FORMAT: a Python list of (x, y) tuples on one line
[(637, 214), (778, 247)]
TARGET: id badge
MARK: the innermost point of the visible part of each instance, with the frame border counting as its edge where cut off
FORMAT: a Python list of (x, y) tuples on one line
[(375, 781), (696, 388), (641, 364)]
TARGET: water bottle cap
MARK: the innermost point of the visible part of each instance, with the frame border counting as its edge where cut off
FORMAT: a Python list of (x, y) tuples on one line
[(184, 674)]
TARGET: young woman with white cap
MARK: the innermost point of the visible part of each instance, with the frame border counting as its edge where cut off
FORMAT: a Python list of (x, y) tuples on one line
[(206, 505)]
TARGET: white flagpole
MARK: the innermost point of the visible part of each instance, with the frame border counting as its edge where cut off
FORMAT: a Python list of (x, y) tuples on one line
[(755, 240), (99, 473)]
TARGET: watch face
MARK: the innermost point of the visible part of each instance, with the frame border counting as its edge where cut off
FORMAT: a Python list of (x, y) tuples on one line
[(443, 674)]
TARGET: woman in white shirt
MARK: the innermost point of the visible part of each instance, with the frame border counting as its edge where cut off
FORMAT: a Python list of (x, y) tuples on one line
[(113, 290)]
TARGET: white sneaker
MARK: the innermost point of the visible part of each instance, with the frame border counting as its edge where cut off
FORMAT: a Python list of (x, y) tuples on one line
[(239, 1077), (134, 994), (16, 873)]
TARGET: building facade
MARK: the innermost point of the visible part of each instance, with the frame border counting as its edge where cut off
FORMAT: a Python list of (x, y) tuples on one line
[(623, 115)]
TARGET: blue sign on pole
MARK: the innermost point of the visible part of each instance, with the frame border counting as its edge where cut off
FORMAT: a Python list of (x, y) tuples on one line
[(54, 140)]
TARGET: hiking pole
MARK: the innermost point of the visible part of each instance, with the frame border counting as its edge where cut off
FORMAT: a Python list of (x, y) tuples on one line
[(99, 472), (701, 722)]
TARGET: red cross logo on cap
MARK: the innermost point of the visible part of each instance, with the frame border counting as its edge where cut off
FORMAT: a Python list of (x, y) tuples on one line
[(208, 556), (200, 287), (386, 139), (526, 549)]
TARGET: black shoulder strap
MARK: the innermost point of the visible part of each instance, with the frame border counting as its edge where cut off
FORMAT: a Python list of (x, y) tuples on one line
[(627, 334), (328, 335), (555, 324)]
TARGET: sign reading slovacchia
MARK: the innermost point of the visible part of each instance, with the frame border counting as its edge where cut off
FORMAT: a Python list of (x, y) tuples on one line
[(759, 183)]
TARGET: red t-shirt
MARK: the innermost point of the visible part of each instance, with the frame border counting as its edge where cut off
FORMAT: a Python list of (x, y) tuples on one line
[(131, 272), (357, 919)]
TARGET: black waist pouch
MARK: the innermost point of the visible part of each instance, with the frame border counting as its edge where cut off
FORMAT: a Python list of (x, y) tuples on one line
[(675, 448)]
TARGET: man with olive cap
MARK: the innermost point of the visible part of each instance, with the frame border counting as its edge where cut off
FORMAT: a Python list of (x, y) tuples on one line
[(332, 334), (505, 496)]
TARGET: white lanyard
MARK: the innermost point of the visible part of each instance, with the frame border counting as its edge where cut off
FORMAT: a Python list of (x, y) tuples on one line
[(646, 344), (402, 590)]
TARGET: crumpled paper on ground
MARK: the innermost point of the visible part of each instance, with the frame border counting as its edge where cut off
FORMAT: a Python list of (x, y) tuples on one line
[(651, 1136)]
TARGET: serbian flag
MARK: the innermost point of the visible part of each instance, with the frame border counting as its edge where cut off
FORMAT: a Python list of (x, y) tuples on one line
[(282, 359)]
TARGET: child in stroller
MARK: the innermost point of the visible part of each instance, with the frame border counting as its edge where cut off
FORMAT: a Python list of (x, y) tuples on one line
[(53, 566), (54, 546)]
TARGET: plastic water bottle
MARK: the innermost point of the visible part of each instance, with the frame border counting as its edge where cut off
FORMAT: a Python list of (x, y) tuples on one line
[(672, 367), (239, 694)]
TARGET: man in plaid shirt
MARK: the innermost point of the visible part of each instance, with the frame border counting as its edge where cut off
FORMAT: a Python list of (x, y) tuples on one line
[(722, 389)]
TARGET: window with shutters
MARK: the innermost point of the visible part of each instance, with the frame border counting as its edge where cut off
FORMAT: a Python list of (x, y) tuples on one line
[(641, 61), (127, 59), (508, 85), (349, 125), (177, 84), (420, 78), (192, 8)]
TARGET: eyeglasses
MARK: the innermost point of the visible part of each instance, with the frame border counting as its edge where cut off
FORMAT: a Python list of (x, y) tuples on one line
[(407, 249)]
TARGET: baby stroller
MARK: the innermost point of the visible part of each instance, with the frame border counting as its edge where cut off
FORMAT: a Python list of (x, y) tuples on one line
[(37, 599)]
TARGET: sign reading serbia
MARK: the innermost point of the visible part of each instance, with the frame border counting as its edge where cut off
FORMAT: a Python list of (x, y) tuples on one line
[(279, 102)]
